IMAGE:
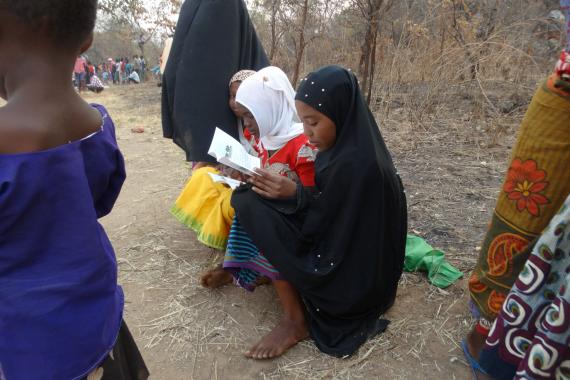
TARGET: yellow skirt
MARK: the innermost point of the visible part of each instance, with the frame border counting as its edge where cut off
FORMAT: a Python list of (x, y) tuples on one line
[(204, 206)]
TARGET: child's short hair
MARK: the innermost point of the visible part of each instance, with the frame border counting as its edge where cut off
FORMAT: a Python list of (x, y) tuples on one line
[(68, 21)]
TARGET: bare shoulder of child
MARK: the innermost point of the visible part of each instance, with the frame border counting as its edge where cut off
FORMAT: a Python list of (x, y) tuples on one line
[(47, 127), (43, 110)]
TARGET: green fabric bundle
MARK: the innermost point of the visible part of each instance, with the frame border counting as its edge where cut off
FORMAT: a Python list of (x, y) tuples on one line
[(420, 256)]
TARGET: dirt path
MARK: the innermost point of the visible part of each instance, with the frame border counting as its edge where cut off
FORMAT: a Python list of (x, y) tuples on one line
[(187, 332)]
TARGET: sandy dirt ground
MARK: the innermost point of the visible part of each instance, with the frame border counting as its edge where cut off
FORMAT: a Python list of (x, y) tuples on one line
[(452, 174)]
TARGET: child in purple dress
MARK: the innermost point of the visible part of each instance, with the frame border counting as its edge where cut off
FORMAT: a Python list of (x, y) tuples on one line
[(61, 310)]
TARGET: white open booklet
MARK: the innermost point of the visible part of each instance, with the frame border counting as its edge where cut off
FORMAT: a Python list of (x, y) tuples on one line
[(230, 152)]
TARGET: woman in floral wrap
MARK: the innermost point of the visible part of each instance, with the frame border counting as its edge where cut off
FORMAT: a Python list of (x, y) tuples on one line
[(536, 185)]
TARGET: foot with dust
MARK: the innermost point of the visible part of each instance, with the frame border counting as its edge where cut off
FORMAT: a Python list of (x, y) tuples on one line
[(283, 336), (215, 278), (291, 330), (475, 343)]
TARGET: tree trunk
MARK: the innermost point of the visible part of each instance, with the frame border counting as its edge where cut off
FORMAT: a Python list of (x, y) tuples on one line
[(274, 7), (141, 42), (372, 15), (365, 55), (372, 65), (302, 43)]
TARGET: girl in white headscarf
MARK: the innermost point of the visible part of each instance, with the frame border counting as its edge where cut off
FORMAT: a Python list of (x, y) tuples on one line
[(266, 101)]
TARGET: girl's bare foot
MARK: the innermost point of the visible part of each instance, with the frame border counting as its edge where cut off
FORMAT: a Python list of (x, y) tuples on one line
[(283, 336), (262, 280), (215, 278)]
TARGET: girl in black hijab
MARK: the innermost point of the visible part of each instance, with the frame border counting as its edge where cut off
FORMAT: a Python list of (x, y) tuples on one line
[(213, 40), (339, 248)]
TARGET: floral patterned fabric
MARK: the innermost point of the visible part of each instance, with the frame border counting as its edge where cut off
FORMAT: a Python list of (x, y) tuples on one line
[(535, 186), (295, 160), (530, 338), (524, 184)]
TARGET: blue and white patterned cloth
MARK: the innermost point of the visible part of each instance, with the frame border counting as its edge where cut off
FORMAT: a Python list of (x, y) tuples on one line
[(530, 338)]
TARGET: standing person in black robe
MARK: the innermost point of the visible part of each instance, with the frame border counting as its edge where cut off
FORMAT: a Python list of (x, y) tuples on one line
[(214, 39), (340, 249)]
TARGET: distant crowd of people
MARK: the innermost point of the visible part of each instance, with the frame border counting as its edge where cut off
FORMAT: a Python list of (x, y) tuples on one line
[(95, 77)]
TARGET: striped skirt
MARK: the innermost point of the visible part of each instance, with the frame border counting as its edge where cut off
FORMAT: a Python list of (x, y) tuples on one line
[(244, 261)]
